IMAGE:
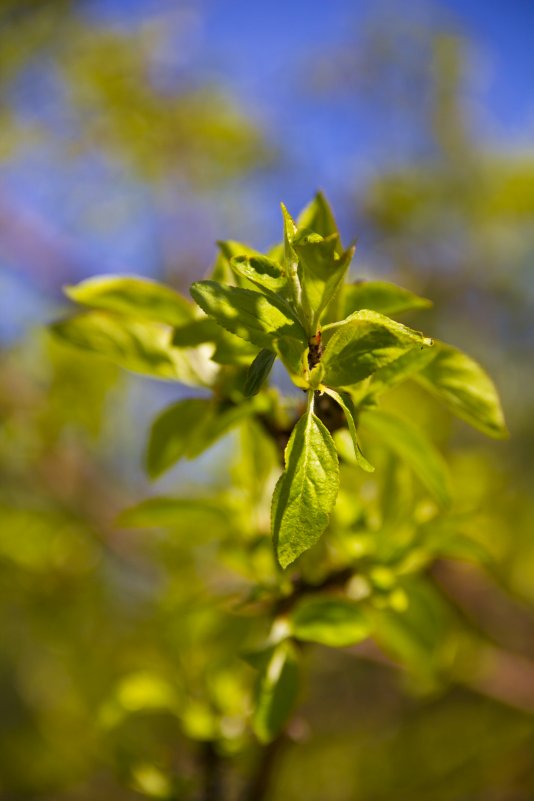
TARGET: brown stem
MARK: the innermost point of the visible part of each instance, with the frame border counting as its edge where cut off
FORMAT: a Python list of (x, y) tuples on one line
[(212, 773)]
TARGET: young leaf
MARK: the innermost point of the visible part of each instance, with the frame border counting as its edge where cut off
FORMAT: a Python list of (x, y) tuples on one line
[(336, 622), (306, 492), (363, 343), (138, 297), (411, 444), (346, 405), (321, 272), (261, 271), (276, 692), (381, 296), (466, 388), (318, 217), (251, 315), (258, 372), (137, 345)]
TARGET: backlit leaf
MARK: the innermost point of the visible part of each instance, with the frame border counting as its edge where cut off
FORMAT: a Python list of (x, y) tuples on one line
[(466, 388), (362, 344), (381, 296), (139, 297), (251, 315)]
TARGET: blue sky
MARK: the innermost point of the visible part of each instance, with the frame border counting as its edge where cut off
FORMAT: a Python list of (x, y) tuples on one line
[(264, 54)]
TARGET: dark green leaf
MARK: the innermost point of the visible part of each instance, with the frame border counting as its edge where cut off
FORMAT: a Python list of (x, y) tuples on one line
[(411, 444), (276, 692), (258, 372), (306, 492), (251, 315), (337, 622), (381, 296), (138, 297), (466, 388), (362, 344)]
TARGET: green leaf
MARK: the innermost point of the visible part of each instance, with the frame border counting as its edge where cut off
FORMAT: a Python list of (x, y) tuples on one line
[(363, 343), (140, 346), (306, 492), (164, 512), (261, 271), (138, 297), (397, 371), (381, 296), (318, 217), (276, 692), (321, 272), (466, 389), (348, 408), (258, 372), (187, 428), (411, 444), (336, 622), (251, 315)]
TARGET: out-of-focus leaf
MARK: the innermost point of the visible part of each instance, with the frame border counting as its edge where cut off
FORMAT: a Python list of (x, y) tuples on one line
[(164, 512), (398, 371), (337, 622), (188, 428), (363, 343), (258, 372), (138, 297), (346, 405), (381, 296), (306, 492), (412, 445), (258, 318), (137, 345), (466, 389), (276, 692)]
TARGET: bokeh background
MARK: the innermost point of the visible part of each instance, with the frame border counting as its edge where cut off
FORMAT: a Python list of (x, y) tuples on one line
[(133, 135)]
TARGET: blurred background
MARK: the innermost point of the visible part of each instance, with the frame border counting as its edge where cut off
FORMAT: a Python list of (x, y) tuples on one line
[(133, 135)]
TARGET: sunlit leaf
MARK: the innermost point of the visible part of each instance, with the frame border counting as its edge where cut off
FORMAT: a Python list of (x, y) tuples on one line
[(251, 315), (307, 490), (138, 297), (381, 296), (466, 389), (140, 346), (362, 344)]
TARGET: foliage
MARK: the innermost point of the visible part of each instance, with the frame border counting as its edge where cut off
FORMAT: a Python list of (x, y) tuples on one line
[(323, 546)]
